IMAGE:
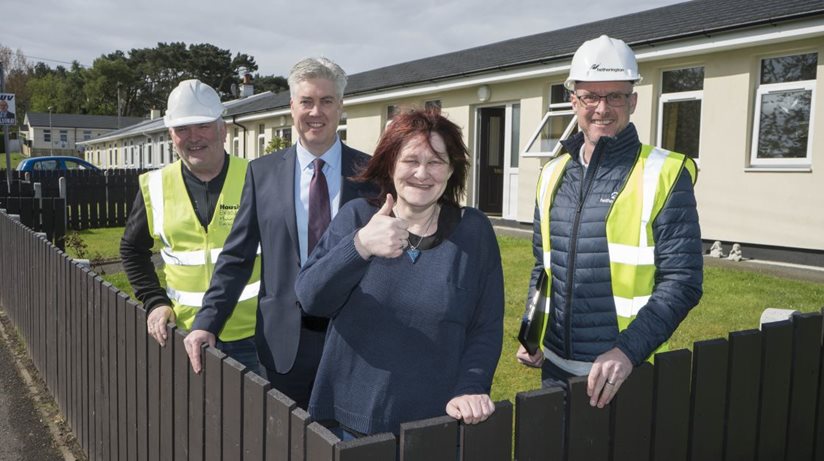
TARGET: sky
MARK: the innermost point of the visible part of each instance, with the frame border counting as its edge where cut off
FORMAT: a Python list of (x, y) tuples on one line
[(359, 35)]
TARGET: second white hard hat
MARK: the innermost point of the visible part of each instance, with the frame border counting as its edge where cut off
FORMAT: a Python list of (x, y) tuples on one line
[(192, 102), (603, 59)]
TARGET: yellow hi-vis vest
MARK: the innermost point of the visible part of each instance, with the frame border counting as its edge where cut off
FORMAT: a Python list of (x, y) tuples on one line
[(628, 225), (190, 252)]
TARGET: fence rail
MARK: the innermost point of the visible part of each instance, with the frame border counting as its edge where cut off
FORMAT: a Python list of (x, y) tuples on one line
[(756, 395)]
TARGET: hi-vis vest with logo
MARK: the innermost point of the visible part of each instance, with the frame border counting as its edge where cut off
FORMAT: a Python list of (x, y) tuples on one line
[(628, 224), (190, 252)]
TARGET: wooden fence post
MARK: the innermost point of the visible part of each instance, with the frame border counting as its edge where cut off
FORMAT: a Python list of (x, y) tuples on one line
[(743, 390), (378, 447), (181, 395), (775, 390), (212, 360), (278, 425), (320, 443), (254, 416), (671, 406), (631, 424), (805, 378), (233, 372), (299, 421), (491, 440), (432, 439), (709, 399), (539, 424)]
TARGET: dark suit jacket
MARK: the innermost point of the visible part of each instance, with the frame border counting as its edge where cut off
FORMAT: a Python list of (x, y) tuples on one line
[(267, 217)]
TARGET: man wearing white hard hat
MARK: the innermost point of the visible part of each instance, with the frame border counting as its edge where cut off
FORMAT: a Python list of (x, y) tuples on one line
[(616, 232), (187, 208)]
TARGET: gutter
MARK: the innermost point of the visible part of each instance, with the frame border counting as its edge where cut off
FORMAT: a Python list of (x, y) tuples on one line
[(235, 122)]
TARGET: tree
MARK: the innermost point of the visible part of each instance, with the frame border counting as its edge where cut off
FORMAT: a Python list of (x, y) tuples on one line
[(272, 83), (129, 83)]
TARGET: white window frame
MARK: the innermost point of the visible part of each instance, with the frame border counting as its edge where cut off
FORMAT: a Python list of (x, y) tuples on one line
[(807, 85), (566, 134), (261, 144), (769, 88), (560, 109), (681, 96)]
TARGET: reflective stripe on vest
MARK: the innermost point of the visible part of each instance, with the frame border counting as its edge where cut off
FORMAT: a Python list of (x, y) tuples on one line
[(628, 224), (195, 299), (190, 258), (190, 252)]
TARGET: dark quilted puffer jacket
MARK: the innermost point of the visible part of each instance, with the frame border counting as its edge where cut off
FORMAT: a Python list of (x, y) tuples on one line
[(583, 322)]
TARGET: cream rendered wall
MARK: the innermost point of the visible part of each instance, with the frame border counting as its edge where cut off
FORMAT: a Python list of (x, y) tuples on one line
[(365, 124), (534, 103), (736, 202)]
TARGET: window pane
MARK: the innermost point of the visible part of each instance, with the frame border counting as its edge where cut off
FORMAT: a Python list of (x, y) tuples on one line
[(682, 127), (516, 136), (784, 124), (691, 79), (789, 68), (558, 94), (550, 133)]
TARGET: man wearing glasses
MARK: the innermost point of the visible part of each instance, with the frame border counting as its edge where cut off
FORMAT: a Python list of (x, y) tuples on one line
[(616, 230)]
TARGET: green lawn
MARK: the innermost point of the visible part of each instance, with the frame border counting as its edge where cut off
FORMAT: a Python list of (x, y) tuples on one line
[(733, 301), (16, 157), (94, 243)]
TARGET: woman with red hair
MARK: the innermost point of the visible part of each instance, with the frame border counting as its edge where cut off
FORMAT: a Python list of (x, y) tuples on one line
[(413, 284)]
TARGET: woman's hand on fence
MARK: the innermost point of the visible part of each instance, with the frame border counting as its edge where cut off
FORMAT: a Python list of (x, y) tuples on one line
[(535, 360), (194, 342), (156, 322), (471, 408), (608, 372)]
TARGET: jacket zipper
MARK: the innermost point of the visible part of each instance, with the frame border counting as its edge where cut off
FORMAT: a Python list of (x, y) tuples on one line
[(586, 185)]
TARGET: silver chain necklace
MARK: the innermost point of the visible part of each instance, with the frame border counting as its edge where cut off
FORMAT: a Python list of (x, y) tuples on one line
[(413, 252)]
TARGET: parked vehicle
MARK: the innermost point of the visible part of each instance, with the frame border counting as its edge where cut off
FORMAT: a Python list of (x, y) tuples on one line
[(56, 162)]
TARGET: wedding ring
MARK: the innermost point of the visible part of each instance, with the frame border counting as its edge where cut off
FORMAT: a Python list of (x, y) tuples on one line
[(611, 383)]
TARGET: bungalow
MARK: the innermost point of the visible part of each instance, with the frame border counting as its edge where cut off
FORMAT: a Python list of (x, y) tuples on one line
[(736, 84)]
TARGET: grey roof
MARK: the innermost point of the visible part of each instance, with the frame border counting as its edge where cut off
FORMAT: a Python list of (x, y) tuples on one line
[(640, 30), (108, 122), (255, 103)]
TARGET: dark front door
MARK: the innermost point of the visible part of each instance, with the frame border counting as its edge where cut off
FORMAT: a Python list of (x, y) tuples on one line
[(491, 160)]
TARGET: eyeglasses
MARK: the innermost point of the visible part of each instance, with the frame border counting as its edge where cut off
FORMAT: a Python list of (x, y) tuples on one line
[(613, 99)]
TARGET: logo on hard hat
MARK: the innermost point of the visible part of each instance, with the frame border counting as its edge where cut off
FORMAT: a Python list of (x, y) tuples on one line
[(597, 67)]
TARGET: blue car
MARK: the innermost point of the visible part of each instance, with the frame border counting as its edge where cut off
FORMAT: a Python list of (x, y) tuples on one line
[(56, 162)]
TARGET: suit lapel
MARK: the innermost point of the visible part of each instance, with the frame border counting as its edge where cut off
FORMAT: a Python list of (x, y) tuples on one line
[(286, 189)]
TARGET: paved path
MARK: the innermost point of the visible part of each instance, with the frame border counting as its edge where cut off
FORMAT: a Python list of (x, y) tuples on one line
[(23, 436)]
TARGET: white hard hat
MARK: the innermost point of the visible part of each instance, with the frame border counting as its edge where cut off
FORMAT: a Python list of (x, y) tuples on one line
[(603, 59), (192, 102)]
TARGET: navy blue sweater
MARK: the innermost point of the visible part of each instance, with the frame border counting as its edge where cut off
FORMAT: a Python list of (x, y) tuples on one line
[(404, 338)]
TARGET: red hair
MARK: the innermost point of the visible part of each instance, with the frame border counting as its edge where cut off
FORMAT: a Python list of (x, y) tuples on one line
[(405, 126)]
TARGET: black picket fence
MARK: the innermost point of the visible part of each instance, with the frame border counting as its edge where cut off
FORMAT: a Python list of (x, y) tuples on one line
[(757, 395), (46, 215), (93, 199)]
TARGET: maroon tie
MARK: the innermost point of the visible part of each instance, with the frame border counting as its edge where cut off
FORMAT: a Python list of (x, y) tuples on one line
[(319, 214)]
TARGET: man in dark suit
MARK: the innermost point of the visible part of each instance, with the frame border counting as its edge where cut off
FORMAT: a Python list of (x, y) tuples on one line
[(278, 213)]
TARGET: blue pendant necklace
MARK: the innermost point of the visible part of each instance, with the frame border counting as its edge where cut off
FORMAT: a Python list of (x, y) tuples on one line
[(413, 252)]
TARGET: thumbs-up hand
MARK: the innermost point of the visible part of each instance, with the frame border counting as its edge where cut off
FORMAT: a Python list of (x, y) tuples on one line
[(384, 235)]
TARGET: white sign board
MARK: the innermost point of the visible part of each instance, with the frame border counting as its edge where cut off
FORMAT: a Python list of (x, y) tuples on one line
[(7, 104)]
